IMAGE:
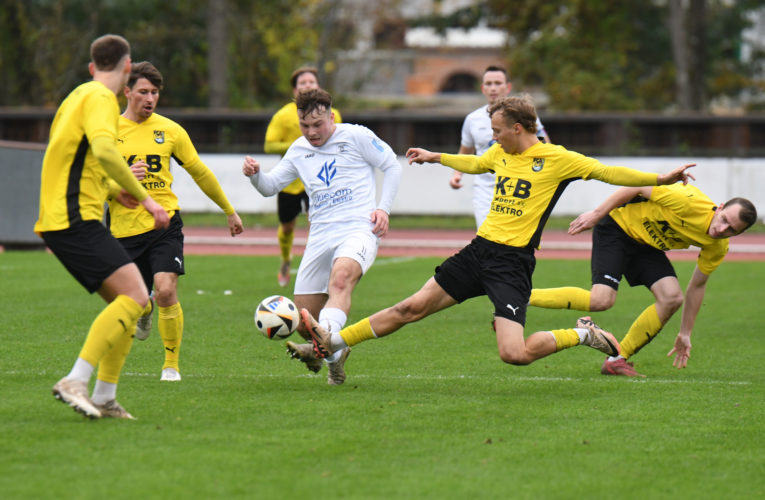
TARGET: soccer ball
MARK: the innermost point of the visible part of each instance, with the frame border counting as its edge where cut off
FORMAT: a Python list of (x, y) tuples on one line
[(277, 317)]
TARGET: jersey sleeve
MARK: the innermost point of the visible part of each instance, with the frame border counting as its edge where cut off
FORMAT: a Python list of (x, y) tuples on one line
[(101, 116), (466, 138), (380, 155), (184, 151), (711, 256), (270, 183)]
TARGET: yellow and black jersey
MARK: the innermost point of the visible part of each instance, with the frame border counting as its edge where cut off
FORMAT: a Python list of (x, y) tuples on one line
[(282, 131), (155, 141), (676, 216), (528, 184), (73, 183)]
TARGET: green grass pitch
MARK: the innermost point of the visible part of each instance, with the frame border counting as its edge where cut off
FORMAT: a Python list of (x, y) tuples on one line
[(430, 412)]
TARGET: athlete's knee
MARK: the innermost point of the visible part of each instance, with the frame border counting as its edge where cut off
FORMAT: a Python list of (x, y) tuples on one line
[(670, 302), (513, 356), (601, 301), (409, 310)]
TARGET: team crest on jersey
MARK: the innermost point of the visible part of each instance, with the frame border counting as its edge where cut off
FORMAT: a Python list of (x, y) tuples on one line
[(159, 136), (538, 164), (327, 172)]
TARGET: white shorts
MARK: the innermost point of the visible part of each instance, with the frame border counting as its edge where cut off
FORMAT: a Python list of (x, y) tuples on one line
[(483, 193), (324, 246)]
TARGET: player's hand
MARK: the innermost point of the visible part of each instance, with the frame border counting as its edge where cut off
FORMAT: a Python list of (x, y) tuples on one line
[(235, 224), (126, 199), (251, 166), (380, 220), (456, 181), (681, 351), (419, 155), (584, 222), (677, 175), (139, 169), (161, 219)]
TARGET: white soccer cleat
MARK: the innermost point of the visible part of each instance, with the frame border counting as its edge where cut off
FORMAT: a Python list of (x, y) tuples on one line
[(75, 394), (143, 327), (598, 338), (170, 375), (112, 409), (336, 374)]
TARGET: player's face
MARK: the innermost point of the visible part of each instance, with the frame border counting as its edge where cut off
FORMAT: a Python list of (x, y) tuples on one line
[(495, 85), (142, 99), (508, 136), (306, 81), (726, 222), (317, 126)]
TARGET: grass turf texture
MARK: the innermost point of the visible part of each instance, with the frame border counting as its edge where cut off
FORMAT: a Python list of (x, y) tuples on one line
[(430, 412)]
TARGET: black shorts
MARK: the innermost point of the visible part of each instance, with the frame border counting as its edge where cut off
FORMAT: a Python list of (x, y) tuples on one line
[(158, 250), (615, 254), (289, 206), (88, 251), (487, 268)]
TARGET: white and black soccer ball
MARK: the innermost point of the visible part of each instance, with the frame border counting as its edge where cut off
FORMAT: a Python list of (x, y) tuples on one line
[(277, 317)]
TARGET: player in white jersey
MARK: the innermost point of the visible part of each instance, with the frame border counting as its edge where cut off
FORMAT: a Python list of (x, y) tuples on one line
[(336, 164), (477, 138)]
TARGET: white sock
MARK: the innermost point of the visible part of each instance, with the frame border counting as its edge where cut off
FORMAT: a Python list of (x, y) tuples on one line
[(82, 370), (615, 358), (582, 332), (332, 318), (104, 392)]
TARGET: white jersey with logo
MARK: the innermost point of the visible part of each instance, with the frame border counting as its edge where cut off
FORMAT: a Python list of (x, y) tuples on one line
[(340, 183), (338, 176), (476, 133)]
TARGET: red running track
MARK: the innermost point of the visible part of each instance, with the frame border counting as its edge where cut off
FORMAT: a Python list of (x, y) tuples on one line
[(432, 243)]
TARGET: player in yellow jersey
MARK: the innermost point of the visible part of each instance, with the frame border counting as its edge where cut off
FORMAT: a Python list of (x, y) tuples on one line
[(282, 131), (80, 159), (147, 141), (530, 176), (633, 229)]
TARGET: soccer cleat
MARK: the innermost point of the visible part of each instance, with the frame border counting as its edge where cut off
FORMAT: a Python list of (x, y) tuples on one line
[(143, 327), (304, 353), (320, 337), (75, 394), (598, 338), (336, 374), (112, 409), (619, 367), (284, 274), (170, 375)]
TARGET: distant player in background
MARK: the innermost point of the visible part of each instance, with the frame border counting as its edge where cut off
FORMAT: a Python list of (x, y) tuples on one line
[(282, 131), (634, 228), (477, 137), (336, 162), (81, 156), (147, 141), (499, 262)]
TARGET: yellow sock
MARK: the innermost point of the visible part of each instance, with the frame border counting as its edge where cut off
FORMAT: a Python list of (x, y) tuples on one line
[(117, 319), (567, 297), (110, 367), (565, 338), (358, 332), (285, 243), (171, 331), (148, 309), (642, 331)]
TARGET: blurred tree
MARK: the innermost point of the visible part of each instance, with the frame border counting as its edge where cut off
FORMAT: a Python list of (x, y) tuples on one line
[(617, 54)]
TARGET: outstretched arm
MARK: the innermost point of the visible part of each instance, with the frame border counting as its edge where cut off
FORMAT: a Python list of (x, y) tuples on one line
[(456, 181), (588, 220), (694, 295)]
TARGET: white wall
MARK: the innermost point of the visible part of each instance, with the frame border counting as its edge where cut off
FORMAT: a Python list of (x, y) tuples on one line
[(425, 188)]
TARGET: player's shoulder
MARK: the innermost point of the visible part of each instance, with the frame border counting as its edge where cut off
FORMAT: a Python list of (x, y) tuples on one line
[(481, 113)]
